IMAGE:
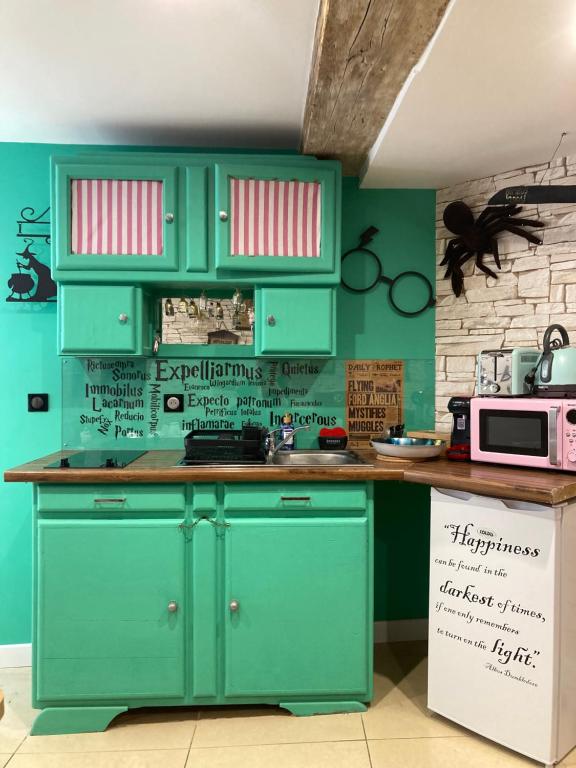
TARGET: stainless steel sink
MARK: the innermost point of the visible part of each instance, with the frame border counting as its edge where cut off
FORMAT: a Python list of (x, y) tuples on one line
[(309, 458), (313, 458)]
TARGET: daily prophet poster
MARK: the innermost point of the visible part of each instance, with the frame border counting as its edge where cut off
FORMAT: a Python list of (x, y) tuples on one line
[(374, 398)]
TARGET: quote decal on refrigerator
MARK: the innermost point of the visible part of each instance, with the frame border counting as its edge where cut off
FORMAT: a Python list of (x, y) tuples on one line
[(482, 601)]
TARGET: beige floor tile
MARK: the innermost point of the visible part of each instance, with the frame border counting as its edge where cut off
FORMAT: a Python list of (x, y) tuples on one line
[(570, 759), (398, 709), (4, 759), (472, 752), (163, 729), (19, 714), (399, 668), (340, 754), (234, 727), (407, 720), (160, 758)]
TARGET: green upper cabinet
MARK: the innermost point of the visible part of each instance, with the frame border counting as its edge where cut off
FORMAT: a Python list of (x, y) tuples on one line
[(102, 320), (295, 321), (111, 218), (194, 217), (152, 217), (276, 219)]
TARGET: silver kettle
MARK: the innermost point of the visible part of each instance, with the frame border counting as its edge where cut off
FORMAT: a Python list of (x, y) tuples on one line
[(555, 374)]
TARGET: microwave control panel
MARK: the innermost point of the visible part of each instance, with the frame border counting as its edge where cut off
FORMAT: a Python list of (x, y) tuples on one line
[(568, 437)]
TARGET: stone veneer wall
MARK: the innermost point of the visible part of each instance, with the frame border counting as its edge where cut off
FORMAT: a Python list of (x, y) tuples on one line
[(535, 287)]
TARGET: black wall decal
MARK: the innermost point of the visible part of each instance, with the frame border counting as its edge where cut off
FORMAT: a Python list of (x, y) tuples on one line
[(33, 281), (34, 227)]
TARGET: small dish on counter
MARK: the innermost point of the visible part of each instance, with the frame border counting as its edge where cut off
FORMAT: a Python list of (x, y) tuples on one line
[(408, 447)]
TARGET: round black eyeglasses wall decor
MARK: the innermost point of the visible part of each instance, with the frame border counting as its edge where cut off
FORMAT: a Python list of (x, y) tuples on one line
[(409, 293)]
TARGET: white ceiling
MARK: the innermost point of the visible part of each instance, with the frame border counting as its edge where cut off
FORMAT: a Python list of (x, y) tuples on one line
[(493, 92), (185, 72)]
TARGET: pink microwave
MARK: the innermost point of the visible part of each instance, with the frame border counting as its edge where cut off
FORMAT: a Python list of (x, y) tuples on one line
[(524, 431)]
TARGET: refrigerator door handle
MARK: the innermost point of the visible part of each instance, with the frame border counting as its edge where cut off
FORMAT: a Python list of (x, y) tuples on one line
[(453, 494)]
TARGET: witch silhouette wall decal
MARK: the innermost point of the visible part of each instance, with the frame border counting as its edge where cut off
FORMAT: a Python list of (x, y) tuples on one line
[(35, 283)]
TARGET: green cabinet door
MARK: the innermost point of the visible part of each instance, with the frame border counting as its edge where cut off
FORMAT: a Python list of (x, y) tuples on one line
[(111, 611), (111, 218), (295, 321), (277, 218), (101, 320), (297, 614)]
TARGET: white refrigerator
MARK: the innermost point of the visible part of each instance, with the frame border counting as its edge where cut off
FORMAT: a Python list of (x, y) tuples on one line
[(502, 634)]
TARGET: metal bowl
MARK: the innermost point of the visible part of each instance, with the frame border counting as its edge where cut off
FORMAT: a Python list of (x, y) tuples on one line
[(408, 447)]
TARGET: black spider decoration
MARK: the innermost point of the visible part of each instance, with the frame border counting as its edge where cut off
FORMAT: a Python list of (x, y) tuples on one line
[(475, 238)]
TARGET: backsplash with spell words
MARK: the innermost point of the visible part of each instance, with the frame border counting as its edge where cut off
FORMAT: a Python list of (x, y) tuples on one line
[(111, 403)]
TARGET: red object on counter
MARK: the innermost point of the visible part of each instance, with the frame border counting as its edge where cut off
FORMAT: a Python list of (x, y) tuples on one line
[(334, 438), (458, 452)]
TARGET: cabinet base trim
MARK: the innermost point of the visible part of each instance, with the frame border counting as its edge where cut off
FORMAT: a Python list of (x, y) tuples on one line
[(15, 655), (401, 630), (306, 708), (55, 720)]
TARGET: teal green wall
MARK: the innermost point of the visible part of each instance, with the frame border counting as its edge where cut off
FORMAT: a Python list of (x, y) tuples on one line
[(367, 326)]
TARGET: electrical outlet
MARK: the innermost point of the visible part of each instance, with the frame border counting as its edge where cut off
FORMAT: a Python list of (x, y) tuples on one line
[(37, 402), (173, 403)]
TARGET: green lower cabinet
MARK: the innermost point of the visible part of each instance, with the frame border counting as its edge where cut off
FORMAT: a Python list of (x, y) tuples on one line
[(204, 594), (295, 321), (298, 625), (111, 611)]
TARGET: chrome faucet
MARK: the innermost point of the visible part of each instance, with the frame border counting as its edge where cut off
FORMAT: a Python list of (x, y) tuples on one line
[(272, 448)]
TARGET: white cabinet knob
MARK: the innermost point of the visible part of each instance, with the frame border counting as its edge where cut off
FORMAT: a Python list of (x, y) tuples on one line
[(172, 606), (223, 216), (234, 606), (122, 317)]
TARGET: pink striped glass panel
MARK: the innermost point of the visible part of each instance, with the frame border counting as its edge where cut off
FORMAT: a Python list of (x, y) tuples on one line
[(275, 218), (115, 216)]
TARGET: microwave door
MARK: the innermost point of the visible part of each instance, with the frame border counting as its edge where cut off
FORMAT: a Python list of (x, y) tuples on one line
[(527, 436)]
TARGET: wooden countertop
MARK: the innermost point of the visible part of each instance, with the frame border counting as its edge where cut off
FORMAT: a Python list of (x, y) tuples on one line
[(541, 486), (159, 467)]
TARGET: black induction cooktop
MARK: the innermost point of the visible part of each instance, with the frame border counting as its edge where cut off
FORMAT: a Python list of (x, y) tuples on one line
[(96, 460)]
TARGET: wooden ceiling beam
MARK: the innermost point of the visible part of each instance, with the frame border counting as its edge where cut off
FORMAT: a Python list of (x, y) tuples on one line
[(363, 52)]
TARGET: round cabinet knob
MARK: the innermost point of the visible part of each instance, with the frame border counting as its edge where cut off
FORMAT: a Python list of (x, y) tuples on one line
[(271, 320), (123, 318), (571, 416), (173, 403), (234, 606), (172, 606), (494, 388), (223, 216), (169, 218)]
